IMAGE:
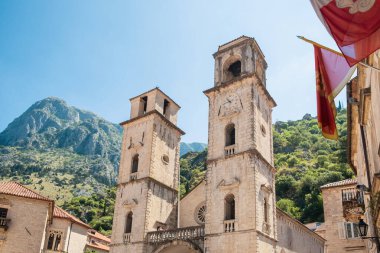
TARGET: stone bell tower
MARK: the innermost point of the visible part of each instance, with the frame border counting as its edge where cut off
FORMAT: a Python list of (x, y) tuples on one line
[(147, 190), (240, 197)]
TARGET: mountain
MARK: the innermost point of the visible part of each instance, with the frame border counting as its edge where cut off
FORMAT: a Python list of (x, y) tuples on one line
[(60, 150), (191, 147), (51, 123)]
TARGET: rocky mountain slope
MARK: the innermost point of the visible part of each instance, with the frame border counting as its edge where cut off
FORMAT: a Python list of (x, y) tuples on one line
[(51, 123), (192, 147), (60, 150), (63, 151)]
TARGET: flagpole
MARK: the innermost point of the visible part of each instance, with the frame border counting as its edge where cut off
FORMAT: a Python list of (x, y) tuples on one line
[(333, 51), (319, 45)]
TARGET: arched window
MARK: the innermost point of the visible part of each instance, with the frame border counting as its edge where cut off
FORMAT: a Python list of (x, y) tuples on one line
[(54, 240), (235, 68), (50, 241), (266, 213), (230, 135), (166, 106), (231, 68), (229, 207), (128, 223), (135, 163)]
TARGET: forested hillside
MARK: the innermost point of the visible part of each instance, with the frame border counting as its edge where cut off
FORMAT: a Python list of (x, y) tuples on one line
[(305, 161)]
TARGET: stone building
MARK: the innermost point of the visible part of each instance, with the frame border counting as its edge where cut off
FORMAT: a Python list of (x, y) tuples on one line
[(363, 134), (234, 208), (343, 206), (96, 242), (31, 223)]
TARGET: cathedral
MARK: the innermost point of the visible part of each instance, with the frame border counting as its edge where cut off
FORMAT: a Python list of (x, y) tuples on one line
[(234, 208)]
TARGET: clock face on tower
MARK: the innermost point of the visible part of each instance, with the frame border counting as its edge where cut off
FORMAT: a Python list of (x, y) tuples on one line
[(230, 105)]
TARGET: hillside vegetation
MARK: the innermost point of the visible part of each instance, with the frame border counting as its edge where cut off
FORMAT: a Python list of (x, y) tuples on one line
[(305, 161)]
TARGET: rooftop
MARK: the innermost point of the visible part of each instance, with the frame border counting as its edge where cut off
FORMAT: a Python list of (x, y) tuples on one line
[(98, 246), (159, 90), (340, 183), (17, 189), (60, 213), (98, 235)]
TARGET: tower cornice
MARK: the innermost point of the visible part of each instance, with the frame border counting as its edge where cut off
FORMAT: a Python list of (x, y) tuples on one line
[(252, 151), (241, 78), (148, 179), (152, 113)]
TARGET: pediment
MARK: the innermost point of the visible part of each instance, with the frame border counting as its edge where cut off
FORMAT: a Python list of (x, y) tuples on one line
[(228, 184), (130, 203)]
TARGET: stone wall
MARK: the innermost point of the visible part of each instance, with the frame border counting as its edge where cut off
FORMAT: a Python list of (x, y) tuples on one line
[(78, 238), (294, 237), (190, 203), (334, 230), (365, 92), (26, 232), (74, 235)]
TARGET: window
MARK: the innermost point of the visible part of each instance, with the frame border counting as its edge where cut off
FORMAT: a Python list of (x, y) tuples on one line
[(266, 213), (200, 214), (128, 223), (263, 131), (229, 207), (135, 163), (143, 105), (165, 159), (230, 135), (235, 68), (54, 240), (166, 106), (352, 230), (3, 212)]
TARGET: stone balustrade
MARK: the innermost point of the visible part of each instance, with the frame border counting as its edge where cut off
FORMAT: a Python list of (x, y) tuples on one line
[(127, 237), (352, 194), (229, 226), (187, 233), (230, 150)]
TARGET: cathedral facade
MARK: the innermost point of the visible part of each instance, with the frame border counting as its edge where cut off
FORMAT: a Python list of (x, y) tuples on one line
[(234, 208)]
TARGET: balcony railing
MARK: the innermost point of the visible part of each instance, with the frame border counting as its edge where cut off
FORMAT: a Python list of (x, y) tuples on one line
[(176, 234), (352, 195), (229, 226), (229, 150), (4, 223), (133, 176), (127, 237)]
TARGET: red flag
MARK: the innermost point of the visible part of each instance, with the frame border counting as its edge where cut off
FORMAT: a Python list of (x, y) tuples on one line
[(332, 73), (354, 25)]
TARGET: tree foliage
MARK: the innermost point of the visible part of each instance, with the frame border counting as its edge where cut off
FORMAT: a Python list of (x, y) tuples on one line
[(305, 161)]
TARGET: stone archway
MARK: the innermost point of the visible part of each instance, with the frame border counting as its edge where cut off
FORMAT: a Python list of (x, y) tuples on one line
[(179, 246)]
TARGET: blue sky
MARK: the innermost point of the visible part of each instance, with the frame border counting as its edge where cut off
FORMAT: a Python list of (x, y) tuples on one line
[(96, 54)]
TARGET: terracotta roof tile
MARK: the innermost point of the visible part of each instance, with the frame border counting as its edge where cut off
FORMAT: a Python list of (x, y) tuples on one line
[(16, 189), (98, 235), (98, 246), (340, 183), (60, 213)]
